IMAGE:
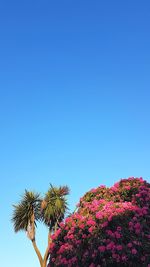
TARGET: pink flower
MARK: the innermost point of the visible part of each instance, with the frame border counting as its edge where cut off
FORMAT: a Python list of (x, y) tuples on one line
[(124, 258), (91, 222), (110, 245), (129, 245), (91, 229), (119, 247), (137, 226), (101, 248), (99, 215), (117, 235), (134, 251)]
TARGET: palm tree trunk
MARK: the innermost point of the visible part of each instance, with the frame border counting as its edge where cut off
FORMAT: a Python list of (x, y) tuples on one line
[(47, 250), (37, 252), (46, 256), (31, 235)]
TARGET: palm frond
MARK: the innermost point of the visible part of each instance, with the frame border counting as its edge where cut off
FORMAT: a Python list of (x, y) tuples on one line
[(30, 204), (54, 206)]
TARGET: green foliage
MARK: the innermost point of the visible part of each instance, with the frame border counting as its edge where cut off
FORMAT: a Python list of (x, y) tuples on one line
[(24, 210), (50, 210), (55, 206)]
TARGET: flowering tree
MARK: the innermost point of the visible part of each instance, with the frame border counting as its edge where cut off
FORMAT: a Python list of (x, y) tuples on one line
[(110, 228)]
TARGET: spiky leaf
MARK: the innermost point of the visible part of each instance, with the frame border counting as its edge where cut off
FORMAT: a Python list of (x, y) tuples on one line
[(30, 204), (53, 211)]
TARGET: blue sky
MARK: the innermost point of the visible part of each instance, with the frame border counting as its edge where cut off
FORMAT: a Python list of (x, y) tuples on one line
[(74, 102)]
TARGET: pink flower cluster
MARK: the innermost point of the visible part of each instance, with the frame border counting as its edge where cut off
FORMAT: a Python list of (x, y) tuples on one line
[(110, 228)]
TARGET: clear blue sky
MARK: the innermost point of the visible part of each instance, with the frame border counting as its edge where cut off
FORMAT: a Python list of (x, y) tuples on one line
[(74, 102)]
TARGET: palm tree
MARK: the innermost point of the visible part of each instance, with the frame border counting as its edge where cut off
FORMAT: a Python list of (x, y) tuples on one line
[(25, 215), (50, 210), (53, 209)]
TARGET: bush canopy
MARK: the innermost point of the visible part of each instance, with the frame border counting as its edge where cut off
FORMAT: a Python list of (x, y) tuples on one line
[(111, 227)]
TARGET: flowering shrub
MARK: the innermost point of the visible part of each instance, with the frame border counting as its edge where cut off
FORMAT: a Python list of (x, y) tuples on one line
[(110, 228)]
